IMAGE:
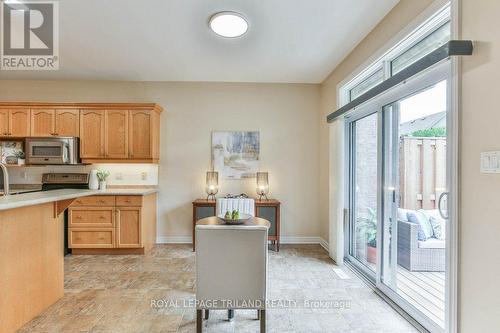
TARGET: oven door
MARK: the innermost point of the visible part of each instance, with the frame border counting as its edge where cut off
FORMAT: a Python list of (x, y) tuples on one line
[(47, 152)]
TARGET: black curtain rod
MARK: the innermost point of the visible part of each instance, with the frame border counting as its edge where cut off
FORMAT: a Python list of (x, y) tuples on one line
[(452, 48)]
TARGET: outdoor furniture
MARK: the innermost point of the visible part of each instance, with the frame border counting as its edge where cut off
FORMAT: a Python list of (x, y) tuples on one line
[(415, 255), (231, 267)]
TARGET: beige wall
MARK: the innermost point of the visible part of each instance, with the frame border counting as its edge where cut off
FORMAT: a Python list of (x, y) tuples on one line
[(285, 115), (480, 131)]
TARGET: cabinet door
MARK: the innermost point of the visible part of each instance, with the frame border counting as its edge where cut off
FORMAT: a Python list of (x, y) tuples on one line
[(140, 133), (128, 227), (92, 133), (19, 122), (4, 122), (116, 133), (42, 122), (67, 122)]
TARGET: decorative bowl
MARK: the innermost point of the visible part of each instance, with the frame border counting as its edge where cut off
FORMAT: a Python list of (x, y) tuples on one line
[(243, 218)]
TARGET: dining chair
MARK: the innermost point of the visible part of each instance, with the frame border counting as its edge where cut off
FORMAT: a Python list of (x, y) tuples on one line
[(231, 270), (243, 205)]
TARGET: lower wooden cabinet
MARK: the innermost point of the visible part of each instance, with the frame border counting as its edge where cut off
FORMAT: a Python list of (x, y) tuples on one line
[(90, 237), (112, 223)]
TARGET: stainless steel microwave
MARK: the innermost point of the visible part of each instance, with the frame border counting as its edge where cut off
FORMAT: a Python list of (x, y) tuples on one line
[(52, 150)]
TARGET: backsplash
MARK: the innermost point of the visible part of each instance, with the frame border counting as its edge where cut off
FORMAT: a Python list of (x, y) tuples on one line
[(121, 174)]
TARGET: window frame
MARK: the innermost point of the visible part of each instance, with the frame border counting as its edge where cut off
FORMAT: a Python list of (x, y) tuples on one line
[(384, 62)]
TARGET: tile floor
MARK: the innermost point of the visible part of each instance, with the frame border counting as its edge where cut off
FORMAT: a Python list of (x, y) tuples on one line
[(115, 294)]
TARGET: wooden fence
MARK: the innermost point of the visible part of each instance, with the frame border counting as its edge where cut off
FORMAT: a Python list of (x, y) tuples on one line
[(422, 172)]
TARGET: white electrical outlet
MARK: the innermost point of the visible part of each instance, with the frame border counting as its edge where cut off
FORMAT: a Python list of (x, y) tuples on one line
[(144, 175), (119, 176)]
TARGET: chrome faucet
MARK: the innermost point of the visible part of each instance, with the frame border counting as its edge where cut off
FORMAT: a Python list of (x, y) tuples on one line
[(6, 187)]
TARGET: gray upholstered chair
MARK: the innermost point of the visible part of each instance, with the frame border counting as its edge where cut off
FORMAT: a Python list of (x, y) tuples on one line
[(231, 270)]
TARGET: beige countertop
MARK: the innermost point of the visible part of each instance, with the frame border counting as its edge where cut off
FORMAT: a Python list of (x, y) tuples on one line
[(36, 198)]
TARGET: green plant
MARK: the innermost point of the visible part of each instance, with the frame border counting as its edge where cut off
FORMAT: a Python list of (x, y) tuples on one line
[(366, 227), (20, 154), (430, 132), (102, 175)]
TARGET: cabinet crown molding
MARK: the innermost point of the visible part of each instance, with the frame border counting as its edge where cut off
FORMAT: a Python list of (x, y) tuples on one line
[(107, 106)]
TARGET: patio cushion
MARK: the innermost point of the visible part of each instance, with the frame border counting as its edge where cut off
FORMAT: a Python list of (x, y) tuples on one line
[(432, 243), (437, 222), (424, 226), (403, 214)]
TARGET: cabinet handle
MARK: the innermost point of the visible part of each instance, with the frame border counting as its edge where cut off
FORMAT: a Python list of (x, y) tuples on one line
[(102, 217), (102, 201), (79, 201), (78, 217)]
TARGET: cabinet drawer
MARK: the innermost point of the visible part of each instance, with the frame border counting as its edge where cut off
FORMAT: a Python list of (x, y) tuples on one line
[(97, 200), (97, 238), (92, 217), (129, 200)]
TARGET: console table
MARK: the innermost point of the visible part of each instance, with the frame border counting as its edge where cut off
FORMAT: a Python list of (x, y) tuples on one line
[(266, 209)]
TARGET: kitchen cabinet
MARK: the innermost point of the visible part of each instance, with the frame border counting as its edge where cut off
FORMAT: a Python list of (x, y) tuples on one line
[(116, 134), (144, 134), (112, 224), (14, 122), (108, 132), (42, 122), (128, 227), (92, 133), (67, 122), (47, 122)]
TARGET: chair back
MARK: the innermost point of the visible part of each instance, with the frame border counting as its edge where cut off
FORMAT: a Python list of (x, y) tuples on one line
[(231, 266), (246, 206)]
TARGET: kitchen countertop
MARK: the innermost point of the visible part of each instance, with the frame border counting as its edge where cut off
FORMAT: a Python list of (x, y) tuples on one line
[(36, 198)]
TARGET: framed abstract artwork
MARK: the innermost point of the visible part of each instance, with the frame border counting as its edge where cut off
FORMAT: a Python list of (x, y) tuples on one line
[(235, 155)]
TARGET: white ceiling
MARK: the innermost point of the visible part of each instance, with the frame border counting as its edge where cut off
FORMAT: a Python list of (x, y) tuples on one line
[(169, 40)]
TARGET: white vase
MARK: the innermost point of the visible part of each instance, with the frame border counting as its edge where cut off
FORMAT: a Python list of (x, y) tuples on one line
[(93, 181), (102, 185)]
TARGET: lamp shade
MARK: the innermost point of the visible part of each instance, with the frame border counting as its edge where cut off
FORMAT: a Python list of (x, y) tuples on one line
[(212, 184), (262, 184)]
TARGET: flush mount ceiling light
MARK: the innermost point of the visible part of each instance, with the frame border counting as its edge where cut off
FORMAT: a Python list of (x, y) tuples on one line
[(228, 24)]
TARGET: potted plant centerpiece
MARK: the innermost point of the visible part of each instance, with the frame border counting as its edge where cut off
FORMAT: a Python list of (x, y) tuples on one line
[(102, 175)]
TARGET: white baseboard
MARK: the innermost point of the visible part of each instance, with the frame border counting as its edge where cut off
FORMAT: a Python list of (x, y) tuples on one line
[(284, 240), (174, 240)]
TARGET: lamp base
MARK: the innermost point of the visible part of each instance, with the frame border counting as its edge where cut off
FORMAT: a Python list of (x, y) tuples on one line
[(211, 197), (262, 196)]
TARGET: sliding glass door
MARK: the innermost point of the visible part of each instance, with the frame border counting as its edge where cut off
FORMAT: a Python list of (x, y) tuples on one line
[(363, 196), (398, 177)]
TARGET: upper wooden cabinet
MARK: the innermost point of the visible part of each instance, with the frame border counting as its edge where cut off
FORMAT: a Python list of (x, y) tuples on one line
[(92, 134), (67, 122), (118, 133), (50, 122), (116, 130), (14, 122), (144, 132), (43, 122)]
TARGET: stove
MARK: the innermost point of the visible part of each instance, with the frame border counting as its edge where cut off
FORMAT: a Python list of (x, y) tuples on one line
[(57, 181)]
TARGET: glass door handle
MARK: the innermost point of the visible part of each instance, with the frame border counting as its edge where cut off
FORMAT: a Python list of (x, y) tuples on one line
[(443, 214)]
